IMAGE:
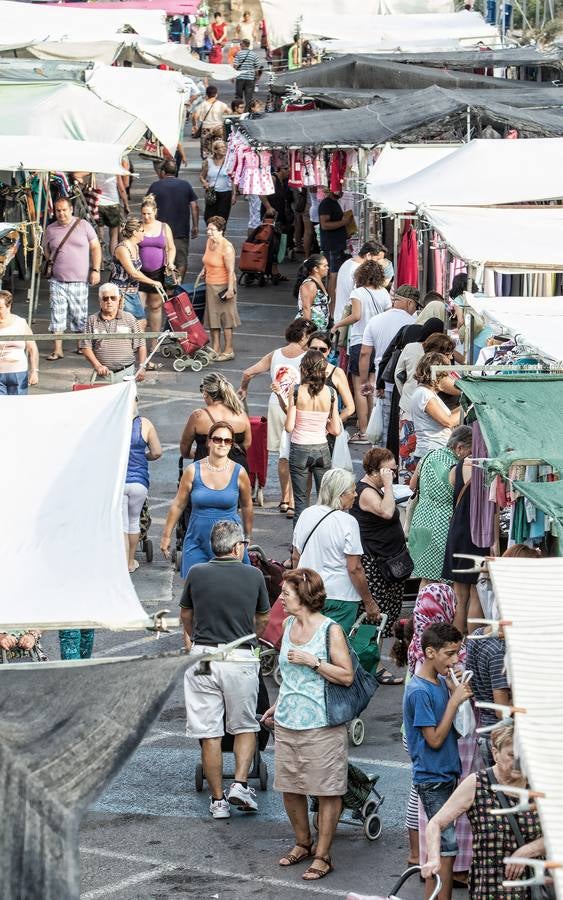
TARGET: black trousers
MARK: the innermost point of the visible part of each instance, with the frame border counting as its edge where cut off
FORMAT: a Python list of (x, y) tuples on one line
[(244, 90)]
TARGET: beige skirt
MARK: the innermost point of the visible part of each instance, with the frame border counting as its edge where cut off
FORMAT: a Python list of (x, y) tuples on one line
[(220, 313), (313, 761)]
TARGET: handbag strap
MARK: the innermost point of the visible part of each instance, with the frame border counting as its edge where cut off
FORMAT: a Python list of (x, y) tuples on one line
[(211, 102), (219, 172), (64, 240), (505, 803), (310, 535), (462, 492)]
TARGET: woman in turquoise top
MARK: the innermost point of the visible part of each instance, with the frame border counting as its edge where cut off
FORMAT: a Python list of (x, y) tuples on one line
[(216, 486), (311, 756)]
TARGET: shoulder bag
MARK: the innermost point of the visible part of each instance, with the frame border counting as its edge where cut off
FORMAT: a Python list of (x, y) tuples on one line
[(211, 193), (392, 357), (398, 567), (344, 703), (49, 264), (196, 133), (312, 531), (539, 891)]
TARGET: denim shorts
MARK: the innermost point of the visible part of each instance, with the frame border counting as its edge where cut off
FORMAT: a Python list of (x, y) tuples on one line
[(335, 259), (354, 360), (132, 304), (13, 383), (433, 796)]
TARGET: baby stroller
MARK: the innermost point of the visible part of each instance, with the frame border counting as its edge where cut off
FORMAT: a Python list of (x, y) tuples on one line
[(270, 642), (271, 570), (366, 641), (190, 352), (258, 254), (259, 768), (360, 804), (413, 870)]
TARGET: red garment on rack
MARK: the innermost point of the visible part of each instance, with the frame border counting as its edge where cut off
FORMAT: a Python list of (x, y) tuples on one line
[(407, 265), (337, 170)]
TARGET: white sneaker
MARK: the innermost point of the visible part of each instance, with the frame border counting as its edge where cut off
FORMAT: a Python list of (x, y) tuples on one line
[(242, 797), (220, 809)]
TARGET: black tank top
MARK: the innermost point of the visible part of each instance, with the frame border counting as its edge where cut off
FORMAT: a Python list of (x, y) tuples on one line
[(380, 537)]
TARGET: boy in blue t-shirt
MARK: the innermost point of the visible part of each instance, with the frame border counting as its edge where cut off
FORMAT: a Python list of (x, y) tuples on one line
[(428, 711)]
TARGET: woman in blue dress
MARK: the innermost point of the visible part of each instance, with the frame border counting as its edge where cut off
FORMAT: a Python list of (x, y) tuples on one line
[(216, 487)]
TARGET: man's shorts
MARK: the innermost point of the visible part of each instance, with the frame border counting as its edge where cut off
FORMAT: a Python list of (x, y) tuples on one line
[(433, 796), (354, 360), (335, 259), (224, 700), (182, 245), (110, 216)]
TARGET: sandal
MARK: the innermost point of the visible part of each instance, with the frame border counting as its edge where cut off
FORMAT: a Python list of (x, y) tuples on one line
[(283, 506), (313, 873), (54, 356), (293, 860), (290, 512), (153, 367), (359, 438), (385, 677)]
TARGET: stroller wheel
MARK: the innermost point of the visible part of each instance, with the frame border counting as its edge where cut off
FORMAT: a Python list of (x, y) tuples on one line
[(166, 351), (195, 365), (198, 778), (369, 808), (373, 827), (148, 548), (202, 357), (356, 731), (277, 675), (177, 352), (267, 664), (179, 364), (211, 354), (263, 775)]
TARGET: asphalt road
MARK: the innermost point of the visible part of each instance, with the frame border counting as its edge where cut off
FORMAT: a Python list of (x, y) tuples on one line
[(150, 835)]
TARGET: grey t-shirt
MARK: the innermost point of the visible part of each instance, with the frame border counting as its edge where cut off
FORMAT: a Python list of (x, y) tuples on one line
[(225, 595)]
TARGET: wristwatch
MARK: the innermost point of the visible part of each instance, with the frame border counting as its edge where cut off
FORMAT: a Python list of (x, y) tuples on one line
[(318, 664)]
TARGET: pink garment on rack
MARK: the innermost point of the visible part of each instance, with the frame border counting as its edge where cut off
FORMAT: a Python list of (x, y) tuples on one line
[(438, 270), (295, 179), (482, 511), (407, 266)]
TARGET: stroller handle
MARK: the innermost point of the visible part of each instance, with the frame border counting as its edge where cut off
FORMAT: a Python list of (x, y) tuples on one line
[(415, 870), (380, 625)]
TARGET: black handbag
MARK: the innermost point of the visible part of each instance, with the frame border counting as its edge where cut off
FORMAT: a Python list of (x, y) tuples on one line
[(345, 703), (388, 374), (398, 567), (539, 891)]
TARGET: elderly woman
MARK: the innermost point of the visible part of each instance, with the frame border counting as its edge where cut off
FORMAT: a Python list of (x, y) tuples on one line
[(283, 364), (216, 487), (126, 270), (221, 288), (431, 519), (220, 192), (432, 420), (493, 838), (19, 360), (327, 539), (382, 537), (311, 756), (221, 405)]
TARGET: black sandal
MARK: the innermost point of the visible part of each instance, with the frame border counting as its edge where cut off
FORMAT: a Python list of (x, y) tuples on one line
[(293, 860), (317, 873)]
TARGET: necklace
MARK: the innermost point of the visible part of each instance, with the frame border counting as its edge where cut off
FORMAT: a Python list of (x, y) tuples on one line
[(216, 468)]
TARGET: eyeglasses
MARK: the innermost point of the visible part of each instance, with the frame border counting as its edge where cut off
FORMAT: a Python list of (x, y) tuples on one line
[(220, 440), (111, 299)]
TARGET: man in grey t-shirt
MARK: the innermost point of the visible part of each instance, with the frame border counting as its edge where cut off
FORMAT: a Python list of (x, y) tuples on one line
[(224, 600)]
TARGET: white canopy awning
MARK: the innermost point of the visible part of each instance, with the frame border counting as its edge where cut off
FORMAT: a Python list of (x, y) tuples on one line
[(61, 557), (399, 161), (94, 51), (480, 173), (180, 56), (534, 321), (506, 239), (22, 22), (49, 154)]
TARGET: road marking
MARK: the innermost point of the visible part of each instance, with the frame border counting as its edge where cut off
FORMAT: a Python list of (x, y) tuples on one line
[(117, 887), (278, 305), (201, 870), (136, 643)]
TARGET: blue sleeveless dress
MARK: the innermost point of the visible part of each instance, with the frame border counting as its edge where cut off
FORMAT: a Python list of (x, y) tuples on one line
[(208, 506)]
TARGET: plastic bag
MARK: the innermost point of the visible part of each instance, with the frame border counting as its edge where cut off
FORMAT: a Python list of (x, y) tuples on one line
[(341, 456), (374, 430), (464, 719)]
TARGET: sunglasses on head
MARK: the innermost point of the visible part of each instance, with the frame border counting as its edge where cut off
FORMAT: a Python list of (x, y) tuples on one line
[(221, 440)]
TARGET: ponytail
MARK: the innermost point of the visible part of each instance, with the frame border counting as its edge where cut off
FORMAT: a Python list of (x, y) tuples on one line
[(221, 391), (305, 269)]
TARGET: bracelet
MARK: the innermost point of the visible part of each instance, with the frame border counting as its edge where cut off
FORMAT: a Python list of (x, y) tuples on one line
[(94, 270)]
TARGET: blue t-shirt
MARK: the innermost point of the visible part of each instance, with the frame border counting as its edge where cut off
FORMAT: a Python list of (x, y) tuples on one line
[(173, 197), (424, 705)]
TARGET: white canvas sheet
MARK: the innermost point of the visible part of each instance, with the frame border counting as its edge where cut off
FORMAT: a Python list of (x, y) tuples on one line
[(534, 321), (65, 110), (57, 155), (507, 239), (20, 22), (94, 51), (527, 591), (399, 161), (481, 173), (179, 56), (61, 554)]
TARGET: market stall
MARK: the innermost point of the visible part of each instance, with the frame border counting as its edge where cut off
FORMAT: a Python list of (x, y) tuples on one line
[(535, 323)]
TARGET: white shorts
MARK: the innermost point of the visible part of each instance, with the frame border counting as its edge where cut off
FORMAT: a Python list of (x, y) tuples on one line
[(276, 425), (224, 700)]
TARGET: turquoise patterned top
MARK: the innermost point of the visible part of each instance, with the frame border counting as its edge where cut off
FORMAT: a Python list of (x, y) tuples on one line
[(301, 701)]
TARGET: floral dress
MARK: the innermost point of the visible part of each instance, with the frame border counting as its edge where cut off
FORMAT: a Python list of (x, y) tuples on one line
[(493, 839), (319, 307)]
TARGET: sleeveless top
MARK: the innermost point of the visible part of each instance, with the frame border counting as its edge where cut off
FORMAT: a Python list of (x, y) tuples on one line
[(284, 371), (152, 251), (215, 269), (319, 307), (380, 537), (310, 425), (138, 465), (301, 701), (217, 176), (237, 452), (13, 357), (120, 277)]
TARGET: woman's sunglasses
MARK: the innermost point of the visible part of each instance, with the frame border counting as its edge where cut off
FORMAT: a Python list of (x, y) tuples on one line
[(321, 349), (220, 440)]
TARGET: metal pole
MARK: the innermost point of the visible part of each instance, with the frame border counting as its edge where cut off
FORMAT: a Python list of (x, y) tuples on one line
[(35, 299), (469, 322), (31, 289), (395, 245), (468, 119)]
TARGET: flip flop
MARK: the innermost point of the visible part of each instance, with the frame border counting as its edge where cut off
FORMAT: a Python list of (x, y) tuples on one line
[(153, 367), (293, 860), (385, 677), (283, 507), (290, 512), (54, 356), (313, 873)]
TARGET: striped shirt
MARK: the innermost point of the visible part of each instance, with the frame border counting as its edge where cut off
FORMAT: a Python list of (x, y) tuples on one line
[(247, 64), (485, 658), (113, 354)]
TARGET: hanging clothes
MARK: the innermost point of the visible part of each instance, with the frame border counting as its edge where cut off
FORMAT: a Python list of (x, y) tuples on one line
[(407, 266), (482, 511)]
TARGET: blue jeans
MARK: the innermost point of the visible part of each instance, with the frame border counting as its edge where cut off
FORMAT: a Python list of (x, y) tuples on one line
[(433, 796), (13, 383), (305, 459)]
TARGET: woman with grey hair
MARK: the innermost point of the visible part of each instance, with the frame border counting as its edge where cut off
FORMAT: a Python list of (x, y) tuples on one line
[(431, 520), (327, 539)]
